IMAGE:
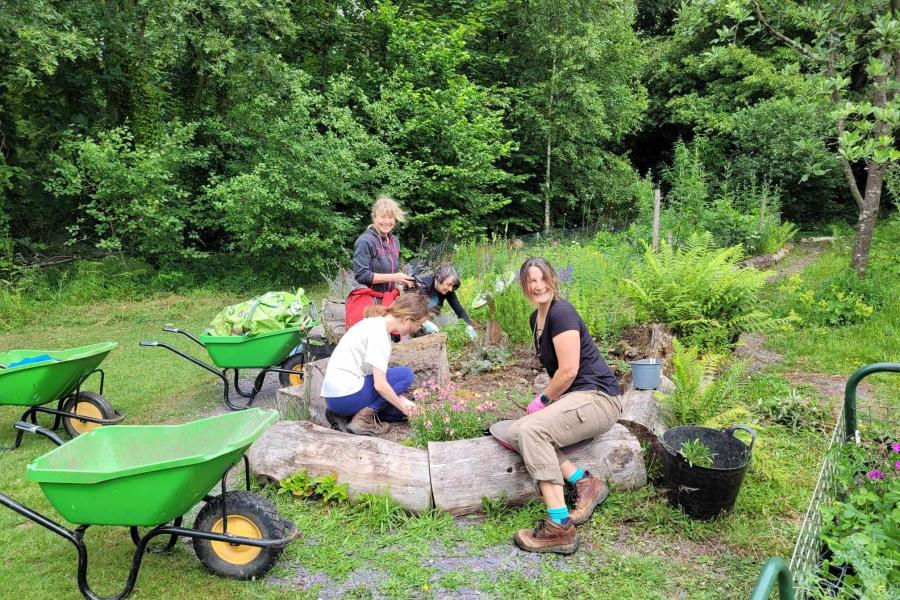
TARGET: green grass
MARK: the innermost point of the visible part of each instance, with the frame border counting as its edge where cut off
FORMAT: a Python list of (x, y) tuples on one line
[(841, 350)]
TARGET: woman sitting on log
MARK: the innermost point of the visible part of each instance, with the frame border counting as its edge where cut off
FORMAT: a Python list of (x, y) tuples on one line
[(376, 261), (439, 287), (582, 401), (358, 382)]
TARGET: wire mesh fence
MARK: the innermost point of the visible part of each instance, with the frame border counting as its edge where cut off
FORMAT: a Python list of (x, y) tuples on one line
[(853, 421)]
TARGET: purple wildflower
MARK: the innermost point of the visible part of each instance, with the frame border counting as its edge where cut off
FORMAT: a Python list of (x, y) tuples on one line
[(875, 474), (897, 465), (895, 447), (565, 274)]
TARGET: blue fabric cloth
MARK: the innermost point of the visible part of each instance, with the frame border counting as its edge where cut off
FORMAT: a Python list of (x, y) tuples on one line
[(576, 476), (31, 360), (399, 378)]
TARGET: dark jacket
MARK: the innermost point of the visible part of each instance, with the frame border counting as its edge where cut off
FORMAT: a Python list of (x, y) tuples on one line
[(426, 284), (375, 254)]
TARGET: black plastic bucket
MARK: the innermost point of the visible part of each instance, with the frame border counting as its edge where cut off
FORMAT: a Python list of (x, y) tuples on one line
[(706, 492)]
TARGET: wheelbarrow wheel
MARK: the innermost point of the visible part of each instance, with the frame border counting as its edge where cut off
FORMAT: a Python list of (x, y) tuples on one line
[(89, 404), (293, 363), (249, 515)]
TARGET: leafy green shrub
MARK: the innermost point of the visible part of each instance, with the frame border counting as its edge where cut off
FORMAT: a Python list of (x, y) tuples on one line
[(485, 359), (316, 487), (700, 292), (704, 386), (862, 527), (831, 307), (130, 193)]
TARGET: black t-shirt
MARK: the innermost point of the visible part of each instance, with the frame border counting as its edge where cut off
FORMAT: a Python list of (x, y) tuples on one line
[(593, 372)]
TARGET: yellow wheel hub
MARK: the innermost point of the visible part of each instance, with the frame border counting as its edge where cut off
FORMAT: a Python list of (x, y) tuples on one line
[(87, 409), (296, 379), (237, 554)]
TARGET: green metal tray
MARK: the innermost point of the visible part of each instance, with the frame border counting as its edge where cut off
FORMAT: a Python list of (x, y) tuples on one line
[(144, 474), (251, 351), (40, 383)]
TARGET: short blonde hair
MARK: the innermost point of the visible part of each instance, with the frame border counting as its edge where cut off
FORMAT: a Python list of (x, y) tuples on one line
[(546, 270), (385, 205)]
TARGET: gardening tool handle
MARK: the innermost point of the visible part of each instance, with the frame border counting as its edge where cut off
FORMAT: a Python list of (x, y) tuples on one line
[(149, 343), (749, 430)]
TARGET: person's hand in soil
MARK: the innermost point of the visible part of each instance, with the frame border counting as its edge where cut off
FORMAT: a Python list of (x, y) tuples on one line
[(407, 406)]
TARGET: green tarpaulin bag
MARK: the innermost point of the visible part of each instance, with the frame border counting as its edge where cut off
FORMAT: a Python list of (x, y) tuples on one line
[(270, 312)]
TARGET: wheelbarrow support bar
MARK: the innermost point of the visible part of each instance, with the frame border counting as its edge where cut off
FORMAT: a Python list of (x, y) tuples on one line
[(77, 539)]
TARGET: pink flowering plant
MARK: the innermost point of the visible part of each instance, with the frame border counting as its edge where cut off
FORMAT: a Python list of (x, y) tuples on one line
[(862, 527), (445, 413)]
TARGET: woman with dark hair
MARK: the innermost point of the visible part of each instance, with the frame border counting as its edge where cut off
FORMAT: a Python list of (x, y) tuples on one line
[(358, 382), (440, 287), (582, 401)]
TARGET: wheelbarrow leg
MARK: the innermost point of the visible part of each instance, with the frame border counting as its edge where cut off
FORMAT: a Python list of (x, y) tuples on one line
[(136, 538), (251, 395), (23, 427)]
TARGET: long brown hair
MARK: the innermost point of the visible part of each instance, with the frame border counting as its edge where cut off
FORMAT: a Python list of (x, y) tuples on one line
[(408, 306), (546, 270)]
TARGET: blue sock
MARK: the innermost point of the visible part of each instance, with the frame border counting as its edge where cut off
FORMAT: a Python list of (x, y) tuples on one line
[(558, 515), (578, 474)]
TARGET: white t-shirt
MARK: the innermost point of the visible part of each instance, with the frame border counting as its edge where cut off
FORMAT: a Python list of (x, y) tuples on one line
[(364, 346)]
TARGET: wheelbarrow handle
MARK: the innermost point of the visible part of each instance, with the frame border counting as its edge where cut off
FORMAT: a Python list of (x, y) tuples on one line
[(749, 430), (149, 343)]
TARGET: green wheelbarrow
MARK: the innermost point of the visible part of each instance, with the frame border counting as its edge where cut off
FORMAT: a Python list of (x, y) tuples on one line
[(33, 378), (273, 352), (150, 475)]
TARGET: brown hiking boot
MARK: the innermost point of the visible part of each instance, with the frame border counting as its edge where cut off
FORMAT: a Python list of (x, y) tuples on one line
[(589, 492), (548, 537), (365, 423)]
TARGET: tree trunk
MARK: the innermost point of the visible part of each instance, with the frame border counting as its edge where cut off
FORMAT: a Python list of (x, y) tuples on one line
[(549, 148), (868, 214), (366, 464)]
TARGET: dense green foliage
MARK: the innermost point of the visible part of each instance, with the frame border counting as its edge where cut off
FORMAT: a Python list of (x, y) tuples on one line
[(181, 131)]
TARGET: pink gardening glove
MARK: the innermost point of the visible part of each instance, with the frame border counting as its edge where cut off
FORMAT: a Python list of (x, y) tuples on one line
[(536, 405)]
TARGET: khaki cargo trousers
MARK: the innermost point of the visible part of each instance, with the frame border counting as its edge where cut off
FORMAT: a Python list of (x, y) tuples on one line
[(573, 417)]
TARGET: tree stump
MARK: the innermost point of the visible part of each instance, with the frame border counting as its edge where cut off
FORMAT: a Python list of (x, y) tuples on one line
[(652, 340), (365, 464), (426, 356)]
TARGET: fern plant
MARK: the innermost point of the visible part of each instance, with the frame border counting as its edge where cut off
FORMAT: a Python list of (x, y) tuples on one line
[(704, 385), (700, 292)]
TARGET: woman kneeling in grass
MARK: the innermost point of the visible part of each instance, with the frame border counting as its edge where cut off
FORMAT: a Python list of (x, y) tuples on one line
[(582, 401), (358, 381)]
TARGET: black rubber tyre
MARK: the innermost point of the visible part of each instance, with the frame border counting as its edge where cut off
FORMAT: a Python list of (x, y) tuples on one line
[(249, 515), (293, 363), (89, 404)]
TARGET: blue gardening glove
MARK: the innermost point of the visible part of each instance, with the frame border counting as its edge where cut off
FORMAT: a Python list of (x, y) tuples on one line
[(470, 331), (430, 327)]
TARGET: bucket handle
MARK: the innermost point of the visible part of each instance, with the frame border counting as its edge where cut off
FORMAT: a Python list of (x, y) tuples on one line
[(749, 430)]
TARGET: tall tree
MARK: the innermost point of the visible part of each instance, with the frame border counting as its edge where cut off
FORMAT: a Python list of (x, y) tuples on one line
[(576, 64), (853, 54)]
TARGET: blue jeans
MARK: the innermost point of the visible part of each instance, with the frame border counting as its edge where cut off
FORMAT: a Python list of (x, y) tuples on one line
[(399, 378)]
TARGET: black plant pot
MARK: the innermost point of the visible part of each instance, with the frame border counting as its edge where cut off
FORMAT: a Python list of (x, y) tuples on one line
[(705, 492)]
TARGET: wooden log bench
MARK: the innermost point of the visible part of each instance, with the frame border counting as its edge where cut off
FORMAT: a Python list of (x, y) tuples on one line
[(452, 476)]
